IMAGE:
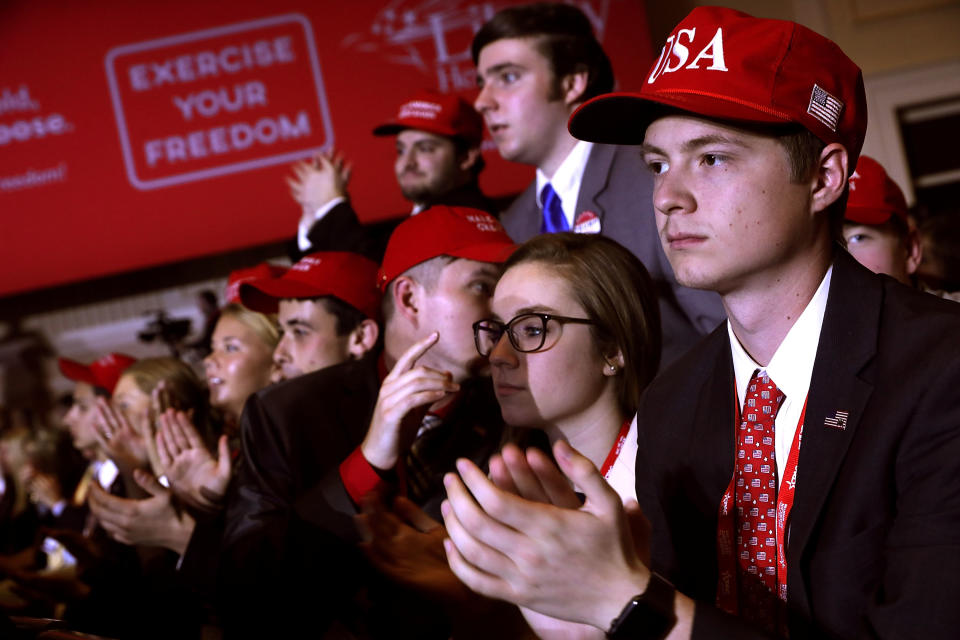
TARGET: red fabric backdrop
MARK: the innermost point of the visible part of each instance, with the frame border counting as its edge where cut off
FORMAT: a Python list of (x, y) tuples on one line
[(135, 134)]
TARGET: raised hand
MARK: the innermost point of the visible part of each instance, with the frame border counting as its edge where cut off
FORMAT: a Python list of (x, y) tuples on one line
[(579, 565), (320, 180), (406, 393), (194, 475), (118, 439), (152, 521)]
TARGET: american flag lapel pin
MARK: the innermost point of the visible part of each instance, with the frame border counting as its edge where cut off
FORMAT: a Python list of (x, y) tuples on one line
[(837, 421)]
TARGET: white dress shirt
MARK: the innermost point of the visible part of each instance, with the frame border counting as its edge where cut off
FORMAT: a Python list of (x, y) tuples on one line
[(790, 368)]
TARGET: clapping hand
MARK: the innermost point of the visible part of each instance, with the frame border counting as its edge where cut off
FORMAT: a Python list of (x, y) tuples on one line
[(194, 475)]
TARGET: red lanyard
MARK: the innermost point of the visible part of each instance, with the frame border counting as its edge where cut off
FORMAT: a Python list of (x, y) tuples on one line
[(617, 447), (726, 540)]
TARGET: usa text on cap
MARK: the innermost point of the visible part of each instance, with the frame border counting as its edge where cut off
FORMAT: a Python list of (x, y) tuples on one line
[(440, 113), (441, 230), (103, 372), (347, 276), (727, 65)]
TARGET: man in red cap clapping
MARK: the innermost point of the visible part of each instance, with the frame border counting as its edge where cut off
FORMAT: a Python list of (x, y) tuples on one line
[(800, 467), (437, 161)]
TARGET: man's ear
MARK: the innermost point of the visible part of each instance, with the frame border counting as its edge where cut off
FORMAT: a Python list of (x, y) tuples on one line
[(572, 87), (914, 250), (469, 158), (406, 294), (831, 178), (363, 338)]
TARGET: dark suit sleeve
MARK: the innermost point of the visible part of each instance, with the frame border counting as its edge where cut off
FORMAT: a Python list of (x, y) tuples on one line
[(268, 579), (341, 230)]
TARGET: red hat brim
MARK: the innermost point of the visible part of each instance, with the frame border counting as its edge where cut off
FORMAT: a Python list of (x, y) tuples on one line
[(623, 118), (264, 295), (73, 370)]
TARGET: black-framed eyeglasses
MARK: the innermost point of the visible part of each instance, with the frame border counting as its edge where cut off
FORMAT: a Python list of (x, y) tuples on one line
[(528, 332)]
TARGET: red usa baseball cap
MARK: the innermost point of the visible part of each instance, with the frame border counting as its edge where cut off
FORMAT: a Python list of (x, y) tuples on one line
[(348, 276), (441, 113), (103, 372), (441, 230), (728, 65), (263, 271), (874, 197)]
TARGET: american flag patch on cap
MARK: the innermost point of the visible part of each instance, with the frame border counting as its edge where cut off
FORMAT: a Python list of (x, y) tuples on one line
[(825, 108)]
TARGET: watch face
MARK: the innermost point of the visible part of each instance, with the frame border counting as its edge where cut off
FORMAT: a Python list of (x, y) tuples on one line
[(649, 615)]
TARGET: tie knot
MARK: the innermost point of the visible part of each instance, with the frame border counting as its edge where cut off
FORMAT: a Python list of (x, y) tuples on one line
[(762, 391)]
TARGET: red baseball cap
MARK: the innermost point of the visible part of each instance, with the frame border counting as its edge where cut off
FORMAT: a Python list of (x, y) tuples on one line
[(263, 271), (874, 197), (348, 276), (441, 113), (728, 65), (441, 230), (102, 373)]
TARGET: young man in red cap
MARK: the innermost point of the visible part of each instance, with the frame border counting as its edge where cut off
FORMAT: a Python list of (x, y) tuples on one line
[(535, 65), (877, 228), (315, 444), (752, 128), (326, 304), (438, 161)]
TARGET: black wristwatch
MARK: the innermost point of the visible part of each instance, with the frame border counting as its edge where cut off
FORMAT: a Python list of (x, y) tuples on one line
[(649, 615)]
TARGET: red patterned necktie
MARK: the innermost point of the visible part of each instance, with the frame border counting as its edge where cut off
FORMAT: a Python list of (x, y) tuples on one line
[(756, 500)]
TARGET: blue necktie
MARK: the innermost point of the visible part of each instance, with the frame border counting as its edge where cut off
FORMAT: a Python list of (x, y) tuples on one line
[(553, 218)]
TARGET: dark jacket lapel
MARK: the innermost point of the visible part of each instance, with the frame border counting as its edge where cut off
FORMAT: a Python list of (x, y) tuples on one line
[(838, 394), (596, 175)]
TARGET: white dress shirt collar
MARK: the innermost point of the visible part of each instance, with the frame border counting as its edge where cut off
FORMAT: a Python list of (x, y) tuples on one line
[(790, 368), (567, 179)]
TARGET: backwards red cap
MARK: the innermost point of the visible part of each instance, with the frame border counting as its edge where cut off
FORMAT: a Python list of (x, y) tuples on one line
[(440, 113), (441, 230), (874, 197), (102, 373), (728, 65), (263, 271), (348, 276)]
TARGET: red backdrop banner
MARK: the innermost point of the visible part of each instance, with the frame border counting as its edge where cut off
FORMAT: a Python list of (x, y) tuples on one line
[(134, 134)]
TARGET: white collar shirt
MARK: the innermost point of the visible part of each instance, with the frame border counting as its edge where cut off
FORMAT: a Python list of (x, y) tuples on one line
[(567, 179), (790, 368)]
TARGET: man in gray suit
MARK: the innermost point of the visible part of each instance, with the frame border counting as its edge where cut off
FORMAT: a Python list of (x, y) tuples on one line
[(535, 65)]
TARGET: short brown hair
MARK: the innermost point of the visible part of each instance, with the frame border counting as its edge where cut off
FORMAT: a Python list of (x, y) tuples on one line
[(803, 151), (616, 292), (427, 274), (561, 33)]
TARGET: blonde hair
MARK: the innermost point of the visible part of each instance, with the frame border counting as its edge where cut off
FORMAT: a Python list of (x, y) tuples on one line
[(265, 326)]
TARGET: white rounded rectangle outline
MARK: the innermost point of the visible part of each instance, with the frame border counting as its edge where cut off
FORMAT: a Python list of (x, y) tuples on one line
[(236, 167)]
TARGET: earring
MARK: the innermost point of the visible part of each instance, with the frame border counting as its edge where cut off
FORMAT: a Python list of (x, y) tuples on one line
[(613, 369)]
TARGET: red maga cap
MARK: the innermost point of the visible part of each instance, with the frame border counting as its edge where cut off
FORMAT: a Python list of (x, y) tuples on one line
[(441, 230), (347, 276), (102, 373), (728, 65), (874, 197), (263, 271), (440, 113)]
